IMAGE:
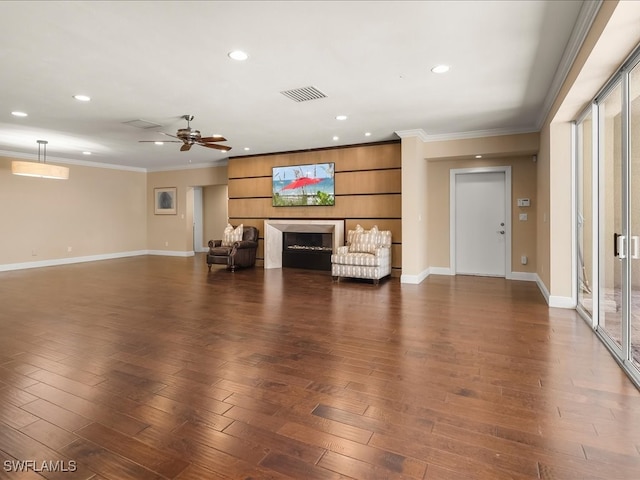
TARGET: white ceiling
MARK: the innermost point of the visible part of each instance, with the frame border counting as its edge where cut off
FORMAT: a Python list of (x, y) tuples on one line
[(157, 61)]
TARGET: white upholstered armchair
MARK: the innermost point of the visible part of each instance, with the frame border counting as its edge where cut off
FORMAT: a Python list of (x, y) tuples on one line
[(366, 255)]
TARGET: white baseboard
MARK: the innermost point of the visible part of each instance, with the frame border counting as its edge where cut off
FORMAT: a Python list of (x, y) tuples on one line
[(440, 271), (555, 301), (414, 279), (171, 253), (90, 258), (561, 302), (543, 288), (67, 261), (524, 276)]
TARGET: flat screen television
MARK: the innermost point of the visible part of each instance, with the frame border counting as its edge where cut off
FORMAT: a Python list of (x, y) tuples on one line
[(303, 185)]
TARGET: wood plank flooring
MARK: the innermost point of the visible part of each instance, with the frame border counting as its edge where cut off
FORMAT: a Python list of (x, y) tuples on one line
[(151, 368)]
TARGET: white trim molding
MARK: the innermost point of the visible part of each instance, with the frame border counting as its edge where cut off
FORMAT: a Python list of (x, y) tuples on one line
[(554, 301), (440, 271), (418, 132), (90, 258), (414, 279), (171, 253), (561, 302), (543, 289), (67, 261), (524, 276)]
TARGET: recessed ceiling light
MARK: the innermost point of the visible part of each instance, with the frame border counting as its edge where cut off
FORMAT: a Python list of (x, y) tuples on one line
[(158, 143), (238, 55), (336, 138), (478, 156), (18, 114), (367, 134), (82, 98), (440, 69), (86, 153), (246, 149), (341, 117)]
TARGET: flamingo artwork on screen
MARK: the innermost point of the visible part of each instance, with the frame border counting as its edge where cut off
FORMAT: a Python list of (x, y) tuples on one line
[(303, 185)]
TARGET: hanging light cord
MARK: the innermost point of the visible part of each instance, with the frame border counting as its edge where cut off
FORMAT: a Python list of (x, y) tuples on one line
[(40, 143)]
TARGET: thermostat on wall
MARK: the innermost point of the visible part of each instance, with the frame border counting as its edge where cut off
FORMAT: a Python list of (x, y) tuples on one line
[(524, 202)]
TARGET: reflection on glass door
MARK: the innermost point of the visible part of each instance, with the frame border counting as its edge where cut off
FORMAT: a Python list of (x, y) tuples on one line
[(585, 213), (611, 240), (634, 214)]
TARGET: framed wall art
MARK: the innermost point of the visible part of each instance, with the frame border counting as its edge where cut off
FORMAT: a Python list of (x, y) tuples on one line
[(165, 201)]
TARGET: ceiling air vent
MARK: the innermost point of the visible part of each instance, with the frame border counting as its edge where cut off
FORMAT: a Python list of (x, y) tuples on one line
[(303, 94), (139, 123)]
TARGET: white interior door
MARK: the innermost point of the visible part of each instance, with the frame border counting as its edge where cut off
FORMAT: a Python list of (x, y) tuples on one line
[(481, 224)]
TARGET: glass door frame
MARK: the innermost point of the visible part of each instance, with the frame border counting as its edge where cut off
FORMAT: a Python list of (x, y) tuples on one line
[(591, 319)]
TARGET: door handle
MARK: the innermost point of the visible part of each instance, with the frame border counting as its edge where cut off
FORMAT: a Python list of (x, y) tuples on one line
[(619, 246), (635, 247)]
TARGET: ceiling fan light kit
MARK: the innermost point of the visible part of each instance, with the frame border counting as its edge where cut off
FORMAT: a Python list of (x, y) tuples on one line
[(40, 169), (190, 136)]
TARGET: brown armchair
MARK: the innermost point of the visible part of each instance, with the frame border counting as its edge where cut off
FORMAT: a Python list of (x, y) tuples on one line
[(240, 254)]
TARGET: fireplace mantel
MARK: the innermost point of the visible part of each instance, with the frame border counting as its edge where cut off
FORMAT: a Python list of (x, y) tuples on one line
[(273, 236)]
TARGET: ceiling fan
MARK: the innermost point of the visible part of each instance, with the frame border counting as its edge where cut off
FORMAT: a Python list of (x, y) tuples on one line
[(189, 136)]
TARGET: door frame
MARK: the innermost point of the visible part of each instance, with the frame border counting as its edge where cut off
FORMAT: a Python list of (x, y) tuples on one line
[(507, 212)]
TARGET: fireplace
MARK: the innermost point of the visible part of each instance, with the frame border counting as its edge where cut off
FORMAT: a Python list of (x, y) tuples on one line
[(307, 250), (301, 245)]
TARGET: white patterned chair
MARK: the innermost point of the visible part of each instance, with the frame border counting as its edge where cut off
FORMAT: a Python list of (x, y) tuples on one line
[(367, 254)]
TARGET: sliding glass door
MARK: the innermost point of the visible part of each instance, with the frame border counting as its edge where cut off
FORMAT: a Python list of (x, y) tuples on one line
[(607, 147), (611, 231)]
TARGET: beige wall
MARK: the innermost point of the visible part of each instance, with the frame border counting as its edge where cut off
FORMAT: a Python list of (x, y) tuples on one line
[(499, 145), (101, 212), (174, 233), (215, 212), (523, 185), (415, 211), (97, 211)]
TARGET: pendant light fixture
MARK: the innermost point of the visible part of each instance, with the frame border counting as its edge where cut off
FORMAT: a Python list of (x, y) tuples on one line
[(40, 169)]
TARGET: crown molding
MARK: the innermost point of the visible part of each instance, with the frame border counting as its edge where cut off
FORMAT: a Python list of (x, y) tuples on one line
[(68, 161), (192, 166), (417, 132), (587, 15), (439, 137)]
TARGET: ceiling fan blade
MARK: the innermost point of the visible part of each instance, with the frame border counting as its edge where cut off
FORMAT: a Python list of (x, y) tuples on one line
[(161, 141), (185, 147), (169, 135), (213, 139), (224, 148)]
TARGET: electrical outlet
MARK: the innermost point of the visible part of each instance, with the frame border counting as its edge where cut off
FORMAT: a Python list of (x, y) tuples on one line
[(34, 253), (69, 249), (523, 217), (166, 244)]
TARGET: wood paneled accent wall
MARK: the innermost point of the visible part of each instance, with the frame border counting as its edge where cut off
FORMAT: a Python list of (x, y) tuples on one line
[(368, 190)]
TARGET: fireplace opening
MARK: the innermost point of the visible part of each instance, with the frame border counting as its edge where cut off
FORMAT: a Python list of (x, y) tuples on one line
[(307, 250)]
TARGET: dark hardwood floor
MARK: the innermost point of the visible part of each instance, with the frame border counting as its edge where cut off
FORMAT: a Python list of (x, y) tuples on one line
[(151, 368)]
